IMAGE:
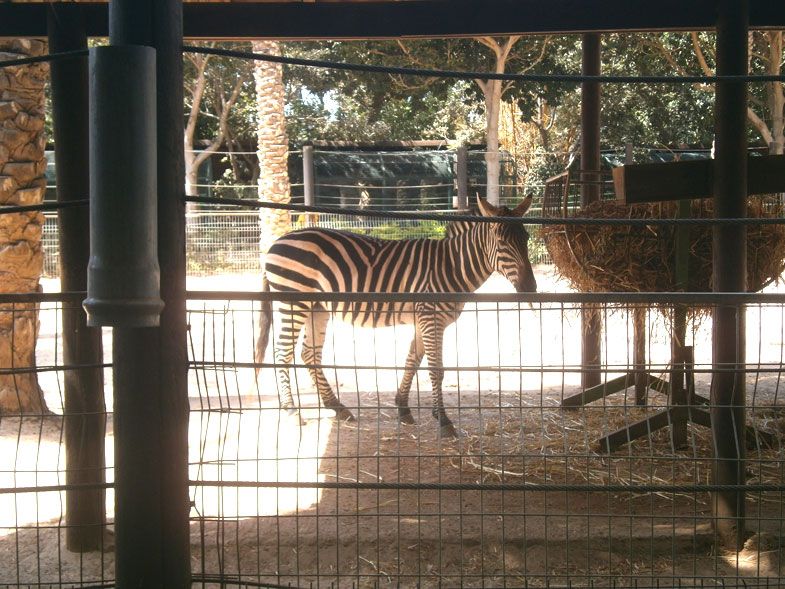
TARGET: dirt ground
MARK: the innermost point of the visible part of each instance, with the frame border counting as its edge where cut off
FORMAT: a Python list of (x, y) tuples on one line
[(508, 371)]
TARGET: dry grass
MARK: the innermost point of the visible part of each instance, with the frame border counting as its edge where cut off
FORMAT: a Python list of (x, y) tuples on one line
[(558, 446), (641, 258)]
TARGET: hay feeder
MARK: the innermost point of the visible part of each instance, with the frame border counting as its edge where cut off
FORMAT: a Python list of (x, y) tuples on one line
[(656, 258)]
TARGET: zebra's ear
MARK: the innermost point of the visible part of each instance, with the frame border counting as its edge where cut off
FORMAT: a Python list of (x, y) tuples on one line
[(524, 205), (487, 209)]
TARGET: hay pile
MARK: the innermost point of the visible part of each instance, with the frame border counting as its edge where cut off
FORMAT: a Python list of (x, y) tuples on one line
[(623, 258)]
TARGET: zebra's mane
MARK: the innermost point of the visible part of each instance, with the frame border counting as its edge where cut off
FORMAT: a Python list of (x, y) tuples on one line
[(455, 228)]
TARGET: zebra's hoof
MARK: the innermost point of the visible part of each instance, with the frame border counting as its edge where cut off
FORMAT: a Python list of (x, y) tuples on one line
[(293, 416), (405, 416), (343, 414), (447, 431)]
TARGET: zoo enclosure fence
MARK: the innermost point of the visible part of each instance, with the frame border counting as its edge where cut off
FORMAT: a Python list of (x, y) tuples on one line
[(527, 496)]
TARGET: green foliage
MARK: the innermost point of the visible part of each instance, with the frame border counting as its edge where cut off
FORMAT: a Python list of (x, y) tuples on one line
[(405, 230)]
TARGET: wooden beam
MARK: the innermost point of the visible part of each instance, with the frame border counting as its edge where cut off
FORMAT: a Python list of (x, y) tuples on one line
[(418, 18), (641, 183)]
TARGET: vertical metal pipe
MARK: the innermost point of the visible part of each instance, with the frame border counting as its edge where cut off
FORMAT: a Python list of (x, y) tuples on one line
[(590, 160), (123, 280), (462, 175), (728, 395), (150, 364), (84, 411)]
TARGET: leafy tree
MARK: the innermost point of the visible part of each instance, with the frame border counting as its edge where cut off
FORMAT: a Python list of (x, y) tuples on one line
[(393, 104), (213, 85), (694, 53)]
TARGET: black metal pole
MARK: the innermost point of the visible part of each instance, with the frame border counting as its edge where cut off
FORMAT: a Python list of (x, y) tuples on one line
[(590, 160), (83, 391), (728, 393), (151, 395)]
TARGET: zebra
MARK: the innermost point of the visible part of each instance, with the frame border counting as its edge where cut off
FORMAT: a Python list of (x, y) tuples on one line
[(328, 260)]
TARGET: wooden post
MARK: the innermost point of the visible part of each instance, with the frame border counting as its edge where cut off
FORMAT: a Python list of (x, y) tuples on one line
[(309, 188), (728, 394), (84, 406), (591, 320), (150, 364), (677, 391), (638, 327), (462, 175)]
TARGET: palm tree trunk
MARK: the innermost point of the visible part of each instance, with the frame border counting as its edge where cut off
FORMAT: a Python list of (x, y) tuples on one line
[(273, 147), (22, 182)]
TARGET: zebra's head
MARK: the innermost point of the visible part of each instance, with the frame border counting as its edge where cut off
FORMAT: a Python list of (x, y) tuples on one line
[(508, 247)]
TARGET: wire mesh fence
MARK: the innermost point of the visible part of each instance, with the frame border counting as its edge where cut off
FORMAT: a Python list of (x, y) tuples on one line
[(528, 495), (227, 241)]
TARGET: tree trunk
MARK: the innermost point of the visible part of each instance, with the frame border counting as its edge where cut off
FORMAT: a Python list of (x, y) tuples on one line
[(492, 156), (273, 147), (22, 182), (776, 94)]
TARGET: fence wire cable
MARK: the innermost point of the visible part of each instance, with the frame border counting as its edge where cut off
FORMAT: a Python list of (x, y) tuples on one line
[(403, 71), (475, 218), (42, 58), (45, 206)]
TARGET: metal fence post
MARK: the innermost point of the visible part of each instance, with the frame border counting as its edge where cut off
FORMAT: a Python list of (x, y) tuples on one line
[(84, 412), (728, 390)]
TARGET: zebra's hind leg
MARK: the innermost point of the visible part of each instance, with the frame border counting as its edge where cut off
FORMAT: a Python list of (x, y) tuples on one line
[(292, 316), (315, 329), (413, 360)]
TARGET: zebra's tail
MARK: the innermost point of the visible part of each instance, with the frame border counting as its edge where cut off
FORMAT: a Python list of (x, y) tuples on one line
[(264, 330)]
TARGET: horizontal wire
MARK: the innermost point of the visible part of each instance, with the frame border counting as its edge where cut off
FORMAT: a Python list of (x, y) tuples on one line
[(44, 206), (43, 58), (430, 486), (654, 298), (479, 219), (532, 487), (566, 78)]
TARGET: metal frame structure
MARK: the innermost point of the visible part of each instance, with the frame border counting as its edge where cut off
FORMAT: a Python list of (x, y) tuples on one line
[(150, 363)]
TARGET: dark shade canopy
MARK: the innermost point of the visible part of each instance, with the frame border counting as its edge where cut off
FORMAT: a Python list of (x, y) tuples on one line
[(419, 18)]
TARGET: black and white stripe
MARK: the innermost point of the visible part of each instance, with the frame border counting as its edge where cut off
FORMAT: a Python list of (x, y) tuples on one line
[(325, 260)]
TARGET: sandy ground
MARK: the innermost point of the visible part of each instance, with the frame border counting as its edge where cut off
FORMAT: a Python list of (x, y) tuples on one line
[(507, 371)]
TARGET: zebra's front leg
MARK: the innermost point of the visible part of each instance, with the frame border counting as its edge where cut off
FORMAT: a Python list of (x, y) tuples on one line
[(315, 329), (413, 361), (433, 340)]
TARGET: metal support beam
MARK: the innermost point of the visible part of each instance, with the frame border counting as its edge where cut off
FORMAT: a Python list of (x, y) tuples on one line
[(85, 410), (728, 393), (150, 364), (591, 352)]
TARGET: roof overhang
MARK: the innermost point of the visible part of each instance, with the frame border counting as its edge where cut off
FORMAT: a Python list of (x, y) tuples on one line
[(416, 18)]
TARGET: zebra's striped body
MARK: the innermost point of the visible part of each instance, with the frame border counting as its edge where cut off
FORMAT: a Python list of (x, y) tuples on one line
[(324, 260)]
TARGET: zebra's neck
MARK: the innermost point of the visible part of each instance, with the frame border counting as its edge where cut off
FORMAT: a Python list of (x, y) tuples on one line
[(466, 246)]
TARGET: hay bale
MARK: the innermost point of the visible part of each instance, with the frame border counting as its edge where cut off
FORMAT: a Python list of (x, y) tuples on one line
[(641, 258)]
